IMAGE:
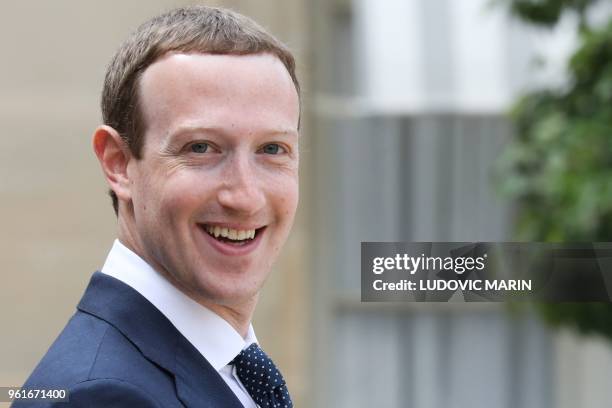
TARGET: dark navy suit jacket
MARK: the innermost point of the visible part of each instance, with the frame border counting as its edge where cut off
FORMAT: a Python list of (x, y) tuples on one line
[(118, 350)]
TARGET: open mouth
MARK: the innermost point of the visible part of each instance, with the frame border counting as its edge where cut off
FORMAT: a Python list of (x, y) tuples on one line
[(237, 237)]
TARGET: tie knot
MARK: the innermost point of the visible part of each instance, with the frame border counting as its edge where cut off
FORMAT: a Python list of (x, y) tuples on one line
[(261, 378), (255, 366)]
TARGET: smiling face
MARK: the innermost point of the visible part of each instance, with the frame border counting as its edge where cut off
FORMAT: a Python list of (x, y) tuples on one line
[(215, 192)]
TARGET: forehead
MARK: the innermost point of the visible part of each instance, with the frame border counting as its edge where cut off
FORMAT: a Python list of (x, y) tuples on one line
[(240, 92)]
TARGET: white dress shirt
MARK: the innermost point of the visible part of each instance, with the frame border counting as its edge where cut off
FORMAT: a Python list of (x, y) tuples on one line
[(210, 334)]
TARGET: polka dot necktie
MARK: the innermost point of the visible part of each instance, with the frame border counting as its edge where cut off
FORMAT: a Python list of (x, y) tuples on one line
[(261, 378)]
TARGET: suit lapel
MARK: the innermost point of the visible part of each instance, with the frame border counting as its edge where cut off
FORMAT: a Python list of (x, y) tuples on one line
[(198, 384)]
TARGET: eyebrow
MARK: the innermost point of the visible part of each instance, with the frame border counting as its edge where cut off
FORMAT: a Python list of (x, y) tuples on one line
[(175, 134)]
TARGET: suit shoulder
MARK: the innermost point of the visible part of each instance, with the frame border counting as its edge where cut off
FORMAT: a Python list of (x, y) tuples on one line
[(89, 348), (72, 355), (100, 392)]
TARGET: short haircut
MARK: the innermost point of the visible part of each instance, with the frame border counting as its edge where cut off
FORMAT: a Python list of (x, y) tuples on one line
[(194, 29)]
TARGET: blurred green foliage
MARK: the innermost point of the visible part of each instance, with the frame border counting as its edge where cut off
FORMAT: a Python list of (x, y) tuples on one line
[(548, 12), (558, 168)]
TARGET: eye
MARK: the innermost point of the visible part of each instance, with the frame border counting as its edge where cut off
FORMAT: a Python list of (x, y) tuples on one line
[(272, 148), (199, 147)]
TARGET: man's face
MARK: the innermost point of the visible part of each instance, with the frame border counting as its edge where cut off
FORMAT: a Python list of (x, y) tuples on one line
[(216, 189)]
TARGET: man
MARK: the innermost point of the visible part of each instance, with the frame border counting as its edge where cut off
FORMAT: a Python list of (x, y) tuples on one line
[(200, 149)]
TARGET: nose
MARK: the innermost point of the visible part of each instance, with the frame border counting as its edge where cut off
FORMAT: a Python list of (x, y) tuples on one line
[(240, 189)]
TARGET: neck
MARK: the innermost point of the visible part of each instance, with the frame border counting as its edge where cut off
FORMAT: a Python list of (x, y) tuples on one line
[(239, 317)]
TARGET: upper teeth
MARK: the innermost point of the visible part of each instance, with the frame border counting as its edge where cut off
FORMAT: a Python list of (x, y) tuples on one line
[(230, 232)]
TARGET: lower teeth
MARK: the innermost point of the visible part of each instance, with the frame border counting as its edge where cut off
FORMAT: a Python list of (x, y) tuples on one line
[(231, 241)]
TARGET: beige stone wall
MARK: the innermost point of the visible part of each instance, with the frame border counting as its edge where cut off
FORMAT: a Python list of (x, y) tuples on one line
[(57, 223)]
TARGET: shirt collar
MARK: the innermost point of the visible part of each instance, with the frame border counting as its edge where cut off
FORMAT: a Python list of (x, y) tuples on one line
[(209, 333)]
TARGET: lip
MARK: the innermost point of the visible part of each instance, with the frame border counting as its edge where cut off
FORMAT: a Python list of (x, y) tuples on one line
[(229, 249)]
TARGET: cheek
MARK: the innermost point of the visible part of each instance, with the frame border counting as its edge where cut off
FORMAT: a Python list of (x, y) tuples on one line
[(178, 196), (287, 196), (145, 184)]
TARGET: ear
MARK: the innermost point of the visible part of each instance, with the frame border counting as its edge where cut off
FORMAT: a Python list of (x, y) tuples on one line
[(114, 156)]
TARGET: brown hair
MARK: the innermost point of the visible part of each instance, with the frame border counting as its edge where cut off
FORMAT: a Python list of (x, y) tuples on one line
[(195, 29)]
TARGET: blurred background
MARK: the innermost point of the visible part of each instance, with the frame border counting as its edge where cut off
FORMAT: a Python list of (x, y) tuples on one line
[(424, 120)]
